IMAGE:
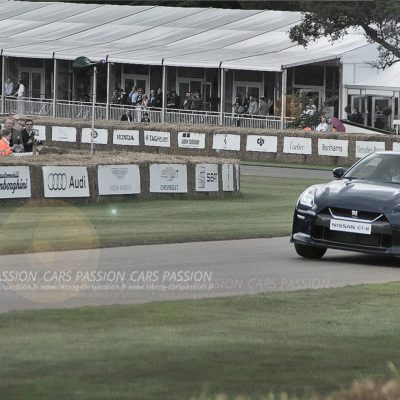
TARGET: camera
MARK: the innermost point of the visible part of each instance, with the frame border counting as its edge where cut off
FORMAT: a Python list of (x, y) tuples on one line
[(33, 134)]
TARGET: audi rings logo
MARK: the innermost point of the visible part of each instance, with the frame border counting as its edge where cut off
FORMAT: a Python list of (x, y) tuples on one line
[(57, 181)]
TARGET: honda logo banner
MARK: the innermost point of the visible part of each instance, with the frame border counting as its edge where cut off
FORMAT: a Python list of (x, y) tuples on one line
[(126, 137), (191, 140), (226, 142), (100, 136), (168, 178), (63, 134), (65, 181), (156, 138), (206, 178), (266, 144), (118, 179), (15, 182)]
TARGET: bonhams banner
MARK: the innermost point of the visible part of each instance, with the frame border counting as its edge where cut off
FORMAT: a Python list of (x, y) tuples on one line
[(191, 140), (63, 134), (156, 138), (15, 182), (226, 142), (297, 145), (206, 177), (126, 137), (267, 144), (100, 136), (65, 181), (333, 147), (118, 179), (363, 148), (227, 177), (168, 178)]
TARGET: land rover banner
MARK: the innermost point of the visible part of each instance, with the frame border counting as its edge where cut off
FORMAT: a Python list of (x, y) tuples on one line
[(118, 179), (100, 136), (225, 141), (168, 178), (296, 145), (63, 134), (15, 182), (227, 177), (191, 140), (126, 137), (156, 138), (267, 144), (206, 177), (65, 181)]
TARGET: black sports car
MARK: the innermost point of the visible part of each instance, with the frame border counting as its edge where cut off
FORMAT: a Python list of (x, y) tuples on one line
[(359, 211)]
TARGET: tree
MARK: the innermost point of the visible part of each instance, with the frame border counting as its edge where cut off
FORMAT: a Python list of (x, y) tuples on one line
[(380, 20)]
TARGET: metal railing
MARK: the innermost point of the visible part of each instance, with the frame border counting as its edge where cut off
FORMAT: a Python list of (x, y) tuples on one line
[(83, 110)]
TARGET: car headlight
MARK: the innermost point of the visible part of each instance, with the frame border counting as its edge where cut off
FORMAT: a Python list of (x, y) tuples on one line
[(307, 197)]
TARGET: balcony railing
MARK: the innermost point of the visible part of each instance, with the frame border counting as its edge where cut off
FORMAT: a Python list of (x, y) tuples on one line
[(83, 110)]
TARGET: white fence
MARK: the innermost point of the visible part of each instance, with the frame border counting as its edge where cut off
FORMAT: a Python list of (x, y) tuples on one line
[(83, 110)]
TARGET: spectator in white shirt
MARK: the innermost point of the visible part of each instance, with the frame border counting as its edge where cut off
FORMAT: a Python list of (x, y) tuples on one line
[(9, 87), (322, 126)]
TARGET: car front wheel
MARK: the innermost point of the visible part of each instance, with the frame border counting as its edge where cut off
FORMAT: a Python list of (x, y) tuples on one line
[(309, 251)]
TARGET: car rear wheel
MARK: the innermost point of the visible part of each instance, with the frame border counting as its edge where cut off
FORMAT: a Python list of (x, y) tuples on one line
[(309, 251)]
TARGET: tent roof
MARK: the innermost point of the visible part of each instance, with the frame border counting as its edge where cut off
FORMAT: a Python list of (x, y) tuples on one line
[(155, 35)]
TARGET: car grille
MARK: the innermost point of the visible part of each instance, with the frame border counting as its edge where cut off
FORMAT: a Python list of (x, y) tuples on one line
[(381, 231)]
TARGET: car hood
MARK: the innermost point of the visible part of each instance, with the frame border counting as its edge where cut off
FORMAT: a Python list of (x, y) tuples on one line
[(359, 195)]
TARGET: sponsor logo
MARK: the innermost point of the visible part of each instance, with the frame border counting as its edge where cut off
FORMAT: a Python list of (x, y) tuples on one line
[(354, 213), (119, 173), (12, 186), (57, 181), (169, 173), (94, 134), (202, 177), (260, 141)]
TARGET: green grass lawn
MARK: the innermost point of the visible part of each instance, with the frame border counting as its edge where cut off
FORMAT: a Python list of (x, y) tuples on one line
[(264, 208), (294, 342)]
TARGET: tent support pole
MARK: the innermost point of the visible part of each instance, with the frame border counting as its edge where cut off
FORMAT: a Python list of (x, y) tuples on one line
[(222, 101), (108, 92), (3, 76), (283, 102), (164, 91), (55, 84)]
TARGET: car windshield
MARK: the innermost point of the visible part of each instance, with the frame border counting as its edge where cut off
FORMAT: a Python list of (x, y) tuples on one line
[(377, 167)]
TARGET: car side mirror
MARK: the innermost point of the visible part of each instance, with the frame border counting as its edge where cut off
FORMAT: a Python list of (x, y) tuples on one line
[(338, 172)]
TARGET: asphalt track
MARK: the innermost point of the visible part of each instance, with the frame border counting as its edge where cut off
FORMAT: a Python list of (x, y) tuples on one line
[(140, 274)]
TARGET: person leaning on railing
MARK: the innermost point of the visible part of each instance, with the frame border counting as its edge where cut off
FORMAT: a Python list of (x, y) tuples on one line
[(5, 149)]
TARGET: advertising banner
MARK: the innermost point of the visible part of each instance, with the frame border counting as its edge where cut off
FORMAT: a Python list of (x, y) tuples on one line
[(191, 140), (363, 148), (267, 144), (118, 179), (333, 147), (100, 136), (168, 178), (237, 169), (297, 145), (15, 182), (226, 142), (227, 177), (396, 146), (156, 138), (126, 137), (206, 178), (40, 132), (63, 134), (66, 181)]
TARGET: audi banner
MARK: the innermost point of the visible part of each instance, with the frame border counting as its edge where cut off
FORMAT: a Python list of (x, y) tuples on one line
[(206, 177), (15, 182), (118, 179), (168, 178), (65, 181), (100, 136)]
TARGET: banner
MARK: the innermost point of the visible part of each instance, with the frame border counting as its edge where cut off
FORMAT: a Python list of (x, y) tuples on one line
[(267, 144), (168, 178), (40, 132), (237, 170), (15, 182), (207, 178), (126, 137), (63, 134), (297, 145), (65, 181), (396, 146), (333, 147), (100, 136), (156, 138), (191, 140), (118, 179), (227, 177), (363, 148), (226, 142)]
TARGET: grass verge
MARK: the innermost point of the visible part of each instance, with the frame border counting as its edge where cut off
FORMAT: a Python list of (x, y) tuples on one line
[(290, 165), (263, 209), (296, 342)]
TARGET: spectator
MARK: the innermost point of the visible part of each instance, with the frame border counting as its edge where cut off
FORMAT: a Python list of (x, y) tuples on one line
[(133, 95), (145, 102), (187, 102), (20, 93), (28, 136), (245, 103), (123, 97), (15, 134), (253, 106), (145, 117), (174, 101), (270, 107), (263, 107), (127, 116), (115, 97), (9, 87), (152, 98), (5, 149), (356, 116), (139, 97), (159, 98), (322, 126)]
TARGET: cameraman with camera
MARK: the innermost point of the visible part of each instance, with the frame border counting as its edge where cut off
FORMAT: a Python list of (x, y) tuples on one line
[(28, 136)]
